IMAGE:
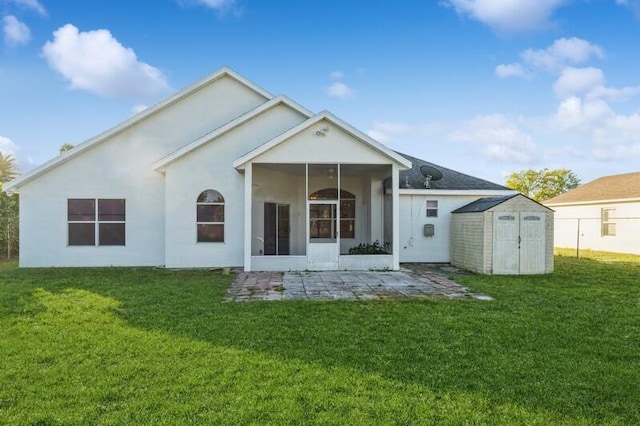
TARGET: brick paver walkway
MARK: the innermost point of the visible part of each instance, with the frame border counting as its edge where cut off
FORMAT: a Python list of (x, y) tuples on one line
[(414, 280)]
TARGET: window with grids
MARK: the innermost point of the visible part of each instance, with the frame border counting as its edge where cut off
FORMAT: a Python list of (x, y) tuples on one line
[(94, 222), (210, 217), (432, 208), (608, 226)]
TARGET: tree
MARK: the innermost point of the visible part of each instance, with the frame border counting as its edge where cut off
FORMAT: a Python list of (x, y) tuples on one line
[(65, 147), (8, 208), (8, 167), (543, 184)]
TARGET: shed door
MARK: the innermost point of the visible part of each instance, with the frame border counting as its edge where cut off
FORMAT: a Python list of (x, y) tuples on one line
[(519, 243), (506, 258), (532, 243)]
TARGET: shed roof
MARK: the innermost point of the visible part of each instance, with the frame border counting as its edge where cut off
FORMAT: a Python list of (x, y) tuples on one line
[(614, 187), (451, 179), (484, 204)]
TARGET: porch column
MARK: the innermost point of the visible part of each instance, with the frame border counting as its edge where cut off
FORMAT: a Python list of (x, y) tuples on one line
[(395, 216), (248, 209)]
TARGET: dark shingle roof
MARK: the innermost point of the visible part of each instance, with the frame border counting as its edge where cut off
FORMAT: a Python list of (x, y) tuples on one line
[(451, 180), (483, 204)]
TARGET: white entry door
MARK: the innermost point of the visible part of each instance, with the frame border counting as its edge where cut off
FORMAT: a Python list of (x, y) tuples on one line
[(323, 246), (518, 243), (532, 243)]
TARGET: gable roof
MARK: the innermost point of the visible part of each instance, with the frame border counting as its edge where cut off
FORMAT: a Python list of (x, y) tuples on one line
[(13, 185), (484, 204), (323, 115), (615, 187), (233, 124), (451, 179)]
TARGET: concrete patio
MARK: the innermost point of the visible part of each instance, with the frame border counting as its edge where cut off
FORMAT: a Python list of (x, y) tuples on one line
[(412, 281)]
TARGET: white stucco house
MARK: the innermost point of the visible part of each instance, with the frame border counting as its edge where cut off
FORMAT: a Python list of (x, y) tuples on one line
[(601, 215), (223, 173)]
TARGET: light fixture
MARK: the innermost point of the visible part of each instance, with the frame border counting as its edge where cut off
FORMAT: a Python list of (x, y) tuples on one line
[(322, 132), (330, 173)]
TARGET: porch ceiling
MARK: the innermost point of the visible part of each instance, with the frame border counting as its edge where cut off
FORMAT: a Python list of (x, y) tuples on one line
[(347, 170)]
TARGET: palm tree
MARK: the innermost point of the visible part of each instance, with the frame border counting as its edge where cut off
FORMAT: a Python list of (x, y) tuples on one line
[(65, 147), (8, 167)]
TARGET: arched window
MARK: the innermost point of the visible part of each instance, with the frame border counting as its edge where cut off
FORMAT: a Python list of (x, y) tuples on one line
[(210, 217), (347, 209)]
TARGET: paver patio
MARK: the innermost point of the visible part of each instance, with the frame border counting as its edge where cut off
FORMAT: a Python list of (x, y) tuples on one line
[(415, 280)]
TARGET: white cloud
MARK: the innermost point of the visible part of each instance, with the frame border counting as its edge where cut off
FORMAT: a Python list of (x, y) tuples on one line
[(340, 90), (384, 131), (598, 132), (508, 15), (336, 75), (220, 6), (34, 5), (613, 94), (634, 5), (563, 51), (95, 61), (576, 113), (575, 81), (15, 32), (510, 70), (500, 137), (7, 146), (138, 108)]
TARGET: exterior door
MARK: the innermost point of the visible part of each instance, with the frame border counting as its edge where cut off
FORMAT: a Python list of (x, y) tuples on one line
[(276, 229), (532, 243), (518, 243), (324, 244), (506, 258)]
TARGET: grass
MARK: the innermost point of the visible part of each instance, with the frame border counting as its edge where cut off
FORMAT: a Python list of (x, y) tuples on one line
[(130, 346), (599, 255)]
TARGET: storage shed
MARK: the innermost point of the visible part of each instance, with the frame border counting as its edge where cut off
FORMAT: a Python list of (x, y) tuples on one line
[(508, 235)]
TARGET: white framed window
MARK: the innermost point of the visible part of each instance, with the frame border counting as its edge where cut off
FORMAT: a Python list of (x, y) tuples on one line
[(608, 226), (432, 208), (94, 222), (210, 217)]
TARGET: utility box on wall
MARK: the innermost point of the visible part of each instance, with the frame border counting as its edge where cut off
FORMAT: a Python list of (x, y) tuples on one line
[(510, 235), (429, 230)]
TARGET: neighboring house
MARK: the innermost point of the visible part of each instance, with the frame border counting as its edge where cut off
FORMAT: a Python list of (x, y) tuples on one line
[(225, 174), (600, 215)]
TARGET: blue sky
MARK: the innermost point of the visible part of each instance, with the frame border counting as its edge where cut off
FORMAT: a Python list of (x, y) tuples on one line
[(486, 87)]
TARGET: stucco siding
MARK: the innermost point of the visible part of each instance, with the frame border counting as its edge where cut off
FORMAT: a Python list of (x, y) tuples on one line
[(336, 146), (120, 168), (210, 167), (626, 217), (414, 246)]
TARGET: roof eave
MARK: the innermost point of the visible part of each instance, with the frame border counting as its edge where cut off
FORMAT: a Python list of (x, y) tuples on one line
[(161, 165), (15, 184), (240, 162)]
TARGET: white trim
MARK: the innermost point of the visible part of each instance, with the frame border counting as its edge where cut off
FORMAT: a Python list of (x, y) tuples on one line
[(248, 212), (594, 202), (439, 192), (324, 115), (15, 184), (395, 216), (161, 164)]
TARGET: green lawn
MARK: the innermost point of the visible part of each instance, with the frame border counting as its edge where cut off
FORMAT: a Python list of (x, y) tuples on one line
[(126, 346)]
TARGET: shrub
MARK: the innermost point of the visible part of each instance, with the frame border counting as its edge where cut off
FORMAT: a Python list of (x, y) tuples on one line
[(373, 248)]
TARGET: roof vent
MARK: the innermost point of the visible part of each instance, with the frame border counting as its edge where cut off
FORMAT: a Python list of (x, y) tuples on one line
[(430, 174)]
